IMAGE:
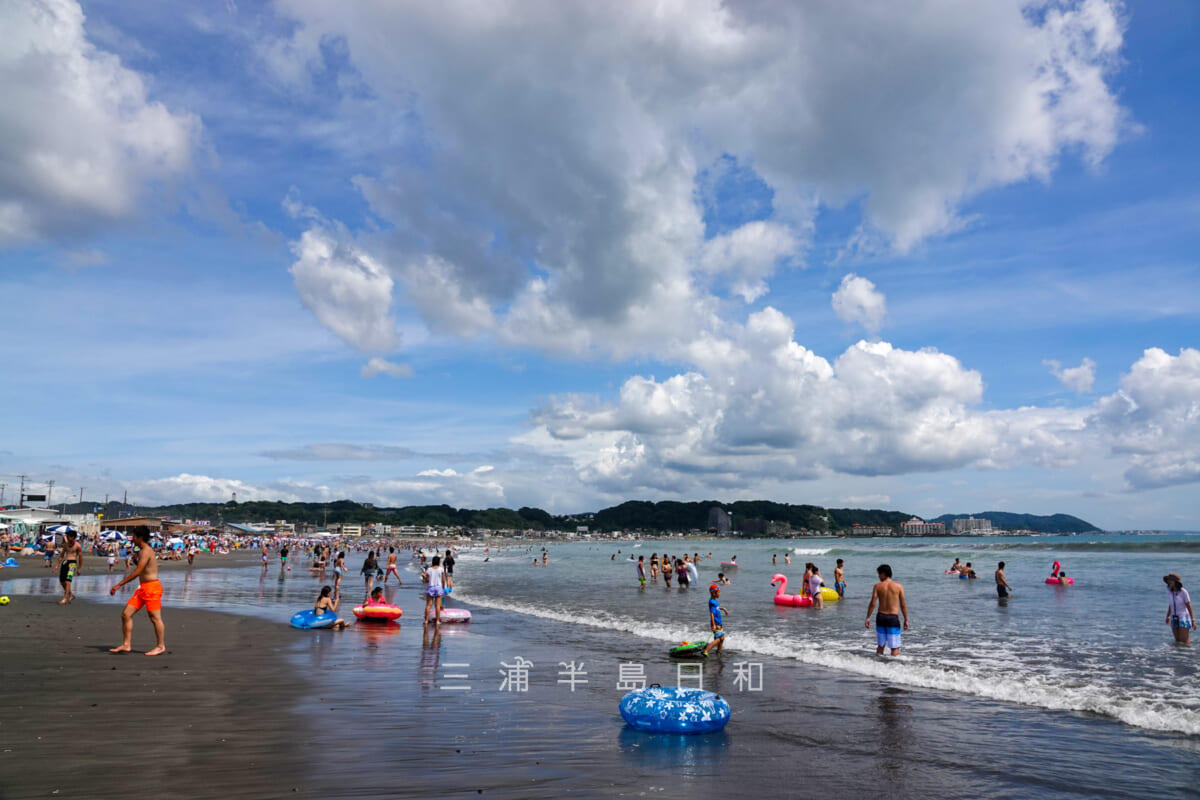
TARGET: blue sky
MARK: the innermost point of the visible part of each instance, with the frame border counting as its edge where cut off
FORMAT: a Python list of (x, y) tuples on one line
[(565, 254)]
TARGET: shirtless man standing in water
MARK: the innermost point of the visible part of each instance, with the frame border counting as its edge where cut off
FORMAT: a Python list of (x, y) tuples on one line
[(148, 594), (890, 596), (70, 559)]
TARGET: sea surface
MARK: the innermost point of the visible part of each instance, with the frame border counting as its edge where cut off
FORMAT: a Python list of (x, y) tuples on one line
[(1099, 646), (1075, 692)]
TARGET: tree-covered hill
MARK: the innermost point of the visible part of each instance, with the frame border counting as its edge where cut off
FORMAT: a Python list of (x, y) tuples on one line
[(1053, 523), (750, 517)]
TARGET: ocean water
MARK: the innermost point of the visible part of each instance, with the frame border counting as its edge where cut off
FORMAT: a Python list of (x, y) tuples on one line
[(1099, 646)]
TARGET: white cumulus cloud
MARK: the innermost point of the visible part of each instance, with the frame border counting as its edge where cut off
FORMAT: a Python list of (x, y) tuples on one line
[(348, 290), (1153, 420), (857, 300), (81, 138), (555, 201), (1078, 379)]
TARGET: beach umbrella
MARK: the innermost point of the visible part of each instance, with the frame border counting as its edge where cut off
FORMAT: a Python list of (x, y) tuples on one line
[(46, 537), (175, 540), (112, 536), (59, 529)]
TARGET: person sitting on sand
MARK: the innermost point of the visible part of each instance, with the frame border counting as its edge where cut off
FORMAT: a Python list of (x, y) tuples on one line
[(328, 604)]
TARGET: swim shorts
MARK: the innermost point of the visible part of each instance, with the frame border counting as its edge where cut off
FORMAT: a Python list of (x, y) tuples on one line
[(66, 573), (718, 633), (888, 630), (1000, 590), (148, 594), (1182, 622), (434, 591), (840, 588)]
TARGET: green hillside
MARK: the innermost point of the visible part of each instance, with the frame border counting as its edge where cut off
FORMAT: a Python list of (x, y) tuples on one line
[(749, 517)]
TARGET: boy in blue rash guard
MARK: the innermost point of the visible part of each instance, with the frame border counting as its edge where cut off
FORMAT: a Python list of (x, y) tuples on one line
[(715, 610)]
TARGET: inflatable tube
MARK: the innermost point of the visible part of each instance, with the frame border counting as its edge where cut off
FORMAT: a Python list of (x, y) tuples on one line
[(799, 601), (378, 613), (673, 709), (11, 562), (454, 615), (688, 650), (1053, 579), (729, 564), (307, 620)]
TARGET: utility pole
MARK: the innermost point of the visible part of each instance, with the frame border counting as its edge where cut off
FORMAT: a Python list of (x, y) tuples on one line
[(81, 488), (2, 487), (21, 500), (49, 489)]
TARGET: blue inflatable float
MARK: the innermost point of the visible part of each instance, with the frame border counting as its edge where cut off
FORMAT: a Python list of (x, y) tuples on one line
[(307, 620), (673, 709), (11, 562)]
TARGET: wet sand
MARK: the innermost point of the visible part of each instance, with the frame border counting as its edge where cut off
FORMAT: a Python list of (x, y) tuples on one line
[(212, 718)]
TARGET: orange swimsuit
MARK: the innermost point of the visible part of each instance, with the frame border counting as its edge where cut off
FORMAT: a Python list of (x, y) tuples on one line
[(148, 594)]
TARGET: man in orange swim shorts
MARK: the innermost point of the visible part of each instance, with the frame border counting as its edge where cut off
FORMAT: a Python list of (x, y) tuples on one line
[(148, 594)]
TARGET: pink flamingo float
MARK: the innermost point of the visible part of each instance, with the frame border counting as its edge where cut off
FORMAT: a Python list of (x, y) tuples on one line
[(781, 599), (1055, 580)]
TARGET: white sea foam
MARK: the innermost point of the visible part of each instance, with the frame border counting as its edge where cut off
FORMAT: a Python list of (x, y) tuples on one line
[(1051, 691), (811, 551)]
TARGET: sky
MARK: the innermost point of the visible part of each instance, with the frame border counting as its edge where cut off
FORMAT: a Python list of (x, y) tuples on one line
[(931, 256)]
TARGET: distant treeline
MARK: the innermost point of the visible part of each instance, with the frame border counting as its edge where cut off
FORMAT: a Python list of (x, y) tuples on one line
[(751, 517)]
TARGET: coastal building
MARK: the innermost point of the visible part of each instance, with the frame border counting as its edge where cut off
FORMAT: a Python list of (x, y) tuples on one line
[(872, 530), (719, 521), (973, 525), (126, 524), (919, 527)]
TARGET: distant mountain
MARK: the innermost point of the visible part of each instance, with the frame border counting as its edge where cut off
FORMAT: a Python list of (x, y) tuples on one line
[(749, 517), (1054, 523)]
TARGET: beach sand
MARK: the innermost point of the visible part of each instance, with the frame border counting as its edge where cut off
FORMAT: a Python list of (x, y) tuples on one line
[(212, 718)]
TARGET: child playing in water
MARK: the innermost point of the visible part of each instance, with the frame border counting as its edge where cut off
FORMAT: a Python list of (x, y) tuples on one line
[(715, 620), (435, 590), (327, 604)]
